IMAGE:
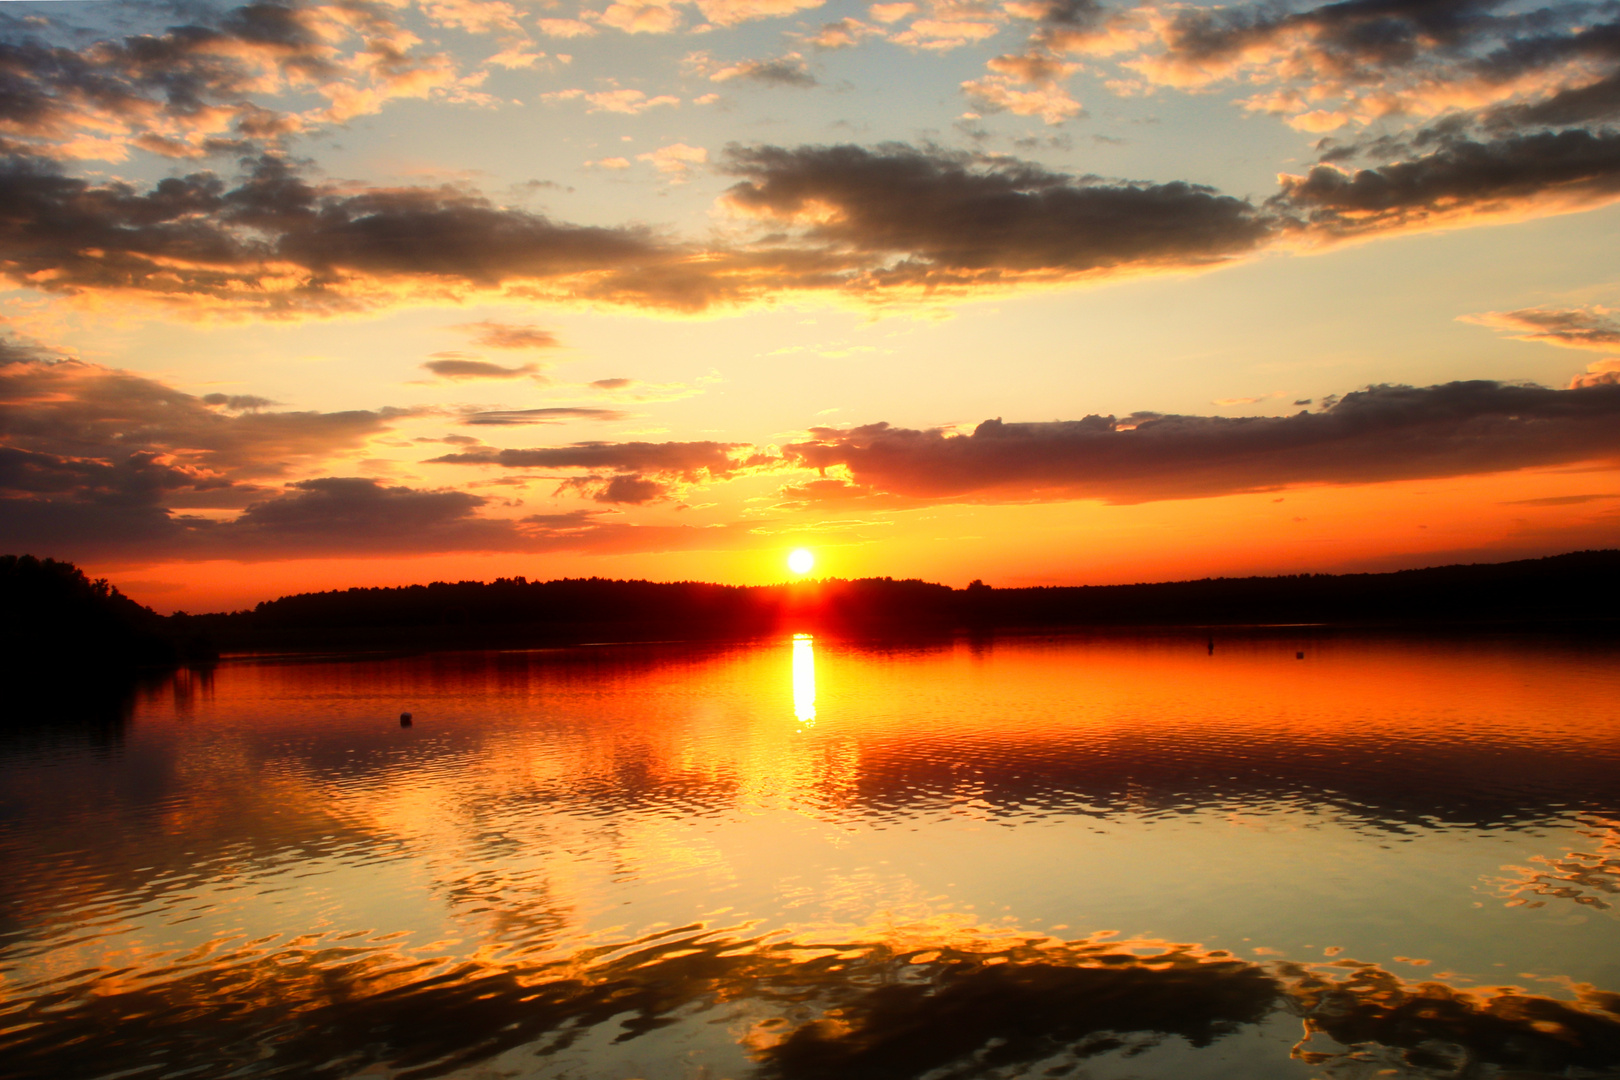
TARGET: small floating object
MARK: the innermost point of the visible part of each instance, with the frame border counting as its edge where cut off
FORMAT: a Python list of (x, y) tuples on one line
[(1212, 646), (405, 717), (1299, 656)]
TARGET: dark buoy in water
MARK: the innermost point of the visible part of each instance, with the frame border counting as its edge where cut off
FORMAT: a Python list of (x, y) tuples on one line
[(405, 718), (1212, 645), (1299, 656)]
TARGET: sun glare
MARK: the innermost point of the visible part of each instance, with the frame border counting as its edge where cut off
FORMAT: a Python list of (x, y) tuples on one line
[(800, 561)]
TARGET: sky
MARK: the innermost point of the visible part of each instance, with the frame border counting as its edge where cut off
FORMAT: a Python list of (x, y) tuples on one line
[(301, 296)]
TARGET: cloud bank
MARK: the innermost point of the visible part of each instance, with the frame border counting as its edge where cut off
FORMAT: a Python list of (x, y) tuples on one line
[(1379, 434), (100, 463)]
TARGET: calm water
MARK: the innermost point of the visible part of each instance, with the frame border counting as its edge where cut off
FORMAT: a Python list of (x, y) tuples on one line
[(806, 859)]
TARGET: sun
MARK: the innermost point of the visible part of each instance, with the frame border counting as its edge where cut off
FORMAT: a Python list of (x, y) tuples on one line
[(800, 561)]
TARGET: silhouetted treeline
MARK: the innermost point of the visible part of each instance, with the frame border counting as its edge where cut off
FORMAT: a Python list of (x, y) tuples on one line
[(516, 611), (1582, 587), (55, 620), (1578, 590)]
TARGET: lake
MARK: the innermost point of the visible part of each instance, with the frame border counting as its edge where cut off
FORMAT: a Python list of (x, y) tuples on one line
[(1287, 854)]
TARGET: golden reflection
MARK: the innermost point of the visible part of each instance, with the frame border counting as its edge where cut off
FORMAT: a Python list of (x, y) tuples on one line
[(900, 1003), (804, 678), (1584, 876)]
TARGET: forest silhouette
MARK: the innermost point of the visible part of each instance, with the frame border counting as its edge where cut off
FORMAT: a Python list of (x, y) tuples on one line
[(56, 618)]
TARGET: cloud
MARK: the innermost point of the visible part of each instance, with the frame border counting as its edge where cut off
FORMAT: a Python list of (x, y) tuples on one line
[(690, 461), (1031, 68), (1512, 177), (638, 391), (942, 35), (1082, 26), (1378, 434), (1570, 328), (99, 463), (553, 415), (843, 34), (457, 367), (1365, 60), (629, 489), (1001, 94), (637, 17), (892, 217), (357, 516), (96, 416), (237, 402), (278, 245), (624, 101), (952, 218), (789, 70), (499, 335), (474, 16), (515, 56), (888, 223), (732, 12), (565, 28), (891, 13), (191, 90), (676, 160), (93, 457)]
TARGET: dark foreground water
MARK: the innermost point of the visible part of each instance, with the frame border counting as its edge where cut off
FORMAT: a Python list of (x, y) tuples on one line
[(814, 859)]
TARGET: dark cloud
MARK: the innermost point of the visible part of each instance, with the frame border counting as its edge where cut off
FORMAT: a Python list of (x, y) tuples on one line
[(80, 410), (353, 515), (237, 402), (783, 71), (92, 455), (1077, 25), (1357, 39), (630, 489), (947, 216), (194, 239), (1509, 176), (612, 384), (1562, 500), (690, 461), (554, 415), (1590, 103), (1378, 434), (459, 367)]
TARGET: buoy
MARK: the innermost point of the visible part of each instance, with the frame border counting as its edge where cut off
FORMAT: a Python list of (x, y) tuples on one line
[(1299, 656), (404, 719)]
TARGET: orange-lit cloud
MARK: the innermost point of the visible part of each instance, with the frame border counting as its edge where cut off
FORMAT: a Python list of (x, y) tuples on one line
[(1592, 328), (201, 88), (1378, 434)]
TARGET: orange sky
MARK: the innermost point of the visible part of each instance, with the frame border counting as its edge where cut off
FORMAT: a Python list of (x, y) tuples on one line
[(1031, 293)]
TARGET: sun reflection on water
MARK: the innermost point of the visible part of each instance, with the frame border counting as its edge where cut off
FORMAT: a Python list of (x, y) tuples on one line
[(804, 678)]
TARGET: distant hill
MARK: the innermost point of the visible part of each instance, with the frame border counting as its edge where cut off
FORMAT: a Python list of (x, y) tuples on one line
[(1579, 591)]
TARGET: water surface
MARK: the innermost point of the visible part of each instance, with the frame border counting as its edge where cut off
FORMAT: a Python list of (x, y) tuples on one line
[(812, 858)]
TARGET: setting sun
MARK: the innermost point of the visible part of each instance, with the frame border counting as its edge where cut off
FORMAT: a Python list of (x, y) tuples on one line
[(800, 561)]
